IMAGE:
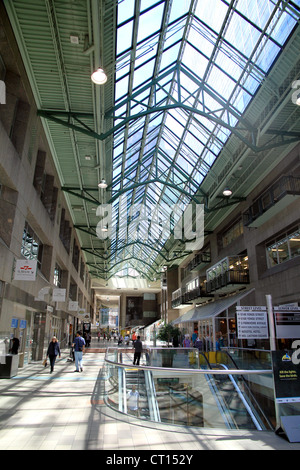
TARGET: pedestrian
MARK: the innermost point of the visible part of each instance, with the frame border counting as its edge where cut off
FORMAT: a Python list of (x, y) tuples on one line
[(133, 401), (15, 346), (138, 349), (79, 344), (198, 343), (186, 342), (120, 340), (53, 352)]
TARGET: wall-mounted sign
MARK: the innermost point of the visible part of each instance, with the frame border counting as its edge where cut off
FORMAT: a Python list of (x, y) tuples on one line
[(252, 322), (59, 295), (73, 306), (23, 324), (25, 270), (14, 323)]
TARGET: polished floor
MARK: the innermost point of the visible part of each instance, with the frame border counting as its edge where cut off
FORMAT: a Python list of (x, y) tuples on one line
[(65, 411)]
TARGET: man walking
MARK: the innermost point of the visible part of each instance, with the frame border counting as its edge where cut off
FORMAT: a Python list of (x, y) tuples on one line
[(138, 349), (78, 345)]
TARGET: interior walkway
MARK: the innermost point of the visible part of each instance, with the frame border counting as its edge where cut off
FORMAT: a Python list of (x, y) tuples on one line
[(65, 411)]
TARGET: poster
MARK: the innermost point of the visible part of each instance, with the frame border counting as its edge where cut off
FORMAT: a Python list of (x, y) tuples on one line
[(286, 377)]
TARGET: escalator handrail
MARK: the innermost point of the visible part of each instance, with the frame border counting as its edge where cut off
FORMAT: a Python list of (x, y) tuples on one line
[(243, 399), (248, 389), (190, 371)]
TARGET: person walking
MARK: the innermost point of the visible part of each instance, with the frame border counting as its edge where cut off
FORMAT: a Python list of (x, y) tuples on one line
[(53, 352), (79, 345), (133, 401), (138, 349)]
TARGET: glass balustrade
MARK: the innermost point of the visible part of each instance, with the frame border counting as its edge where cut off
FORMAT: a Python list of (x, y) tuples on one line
[(179, 386)]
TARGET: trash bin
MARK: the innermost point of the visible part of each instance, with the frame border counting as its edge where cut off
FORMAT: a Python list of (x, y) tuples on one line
[(10, 368)]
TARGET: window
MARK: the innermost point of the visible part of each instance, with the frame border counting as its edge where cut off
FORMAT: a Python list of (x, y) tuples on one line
[(32, 247), (57, 276), (192, 285), (232, 233), (75, 257), (284, 247)]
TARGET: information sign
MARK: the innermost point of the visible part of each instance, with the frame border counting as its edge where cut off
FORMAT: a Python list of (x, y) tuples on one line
[(287, 322), (252, 322), (286, 377), (25, 270)]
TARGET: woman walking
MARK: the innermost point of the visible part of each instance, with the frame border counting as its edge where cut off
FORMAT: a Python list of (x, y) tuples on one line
[(53, 352)]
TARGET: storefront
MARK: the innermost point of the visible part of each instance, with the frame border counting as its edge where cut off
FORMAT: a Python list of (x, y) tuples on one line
[(214, 322)]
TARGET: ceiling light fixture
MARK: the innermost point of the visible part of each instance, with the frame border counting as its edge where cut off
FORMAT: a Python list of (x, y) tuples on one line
[(99, 77), (102, 184), (227, 192)]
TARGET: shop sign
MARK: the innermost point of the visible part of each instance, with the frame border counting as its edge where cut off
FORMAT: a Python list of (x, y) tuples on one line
[(73, 306), (59, 295), (252, 322), (25, 270)]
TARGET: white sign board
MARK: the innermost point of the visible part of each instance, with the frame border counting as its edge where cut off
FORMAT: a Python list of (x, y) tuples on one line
[(252, 322), (59, 295), (287, 321), (25, 270), (73, 306)]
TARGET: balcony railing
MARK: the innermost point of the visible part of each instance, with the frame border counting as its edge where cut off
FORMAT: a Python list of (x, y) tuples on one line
[(285, 186), (187, 297), (228, 280)]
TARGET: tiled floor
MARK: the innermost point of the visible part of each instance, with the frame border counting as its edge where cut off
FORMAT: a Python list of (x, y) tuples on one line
[(65, 411)]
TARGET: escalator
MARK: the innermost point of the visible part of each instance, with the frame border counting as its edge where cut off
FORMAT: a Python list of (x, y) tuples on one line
[(142, 382), (180, 395), (239, 401)]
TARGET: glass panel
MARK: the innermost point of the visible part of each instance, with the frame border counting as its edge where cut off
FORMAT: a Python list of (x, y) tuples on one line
[(295, 245), (203, 399)]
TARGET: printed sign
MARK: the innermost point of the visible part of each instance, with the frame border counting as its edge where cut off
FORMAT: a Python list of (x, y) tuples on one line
[(286, 377), (14, 323), (287, 321), (25, 270), (252, 322), (73, 306), (59, 295), (23, 324)]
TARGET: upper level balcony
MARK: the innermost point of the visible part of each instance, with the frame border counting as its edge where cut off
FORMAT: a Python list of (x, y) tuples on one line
[(184, 296), (228, 274), (278, 196)]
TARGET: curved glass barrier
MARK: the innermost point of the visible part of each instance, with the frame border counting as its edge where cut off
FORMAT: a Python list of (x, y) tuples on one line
[(180, 386)]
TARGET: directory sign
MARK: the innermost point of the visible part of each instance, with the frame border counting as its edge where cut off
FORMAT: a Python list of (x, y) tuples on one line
[(252, 322)]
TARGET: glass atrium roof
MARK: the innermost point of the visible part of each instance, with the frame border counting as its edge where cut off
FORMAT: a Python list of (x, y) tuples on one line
[(185, 73)]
